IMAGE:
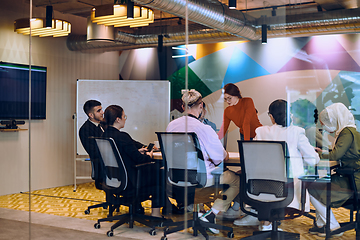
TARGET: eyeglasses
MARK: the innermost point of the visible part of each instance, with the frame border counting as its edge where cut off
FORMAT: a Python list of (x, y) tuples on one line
[(125, 117)]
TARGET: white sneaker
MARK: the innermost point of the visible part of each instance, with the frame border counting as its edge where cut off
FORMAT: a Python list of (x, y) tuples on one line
[(209, 217), (267, 228), (230, 214), (248, 220), (190, 208)]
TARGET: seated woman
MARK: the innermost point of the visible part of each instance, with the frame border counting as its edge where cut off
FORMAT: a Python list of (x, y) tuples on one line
[(300, 151), (337, 119), (115, 119)]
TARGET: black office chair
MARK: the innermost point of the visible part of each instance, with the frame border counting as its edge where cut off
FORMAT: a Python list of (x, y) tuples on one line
[(185, 168), (353, 204), (96, 175), (116, 186), (265, 185)]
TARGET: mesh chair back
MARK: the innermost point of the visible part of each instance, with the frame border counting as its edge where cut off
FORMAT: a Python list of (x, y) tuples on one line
[(115, 170), (264, 172), (181, 151)]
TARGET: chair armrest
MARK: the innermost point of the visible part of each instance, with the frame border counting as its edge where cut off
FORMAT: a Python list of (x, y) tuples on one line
[(138, 168), (346, 170), (217, 171), (349, 172), (160, 162), (144, 164)]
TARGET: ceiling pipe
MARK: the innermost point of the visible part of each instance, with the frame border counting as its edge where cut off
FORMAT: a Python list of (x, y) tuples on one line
[(212, 14), (340, 21), (344, 21), (125, 41)]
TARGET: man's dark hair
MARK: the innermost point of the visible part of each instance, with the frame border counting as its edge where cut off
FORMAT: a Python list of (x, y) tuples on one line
[(89, 105), (111, 113)]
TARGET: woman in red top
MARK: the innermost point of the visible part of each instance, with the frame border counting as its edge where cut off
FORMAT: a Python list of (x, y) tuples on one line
[(241, 111)]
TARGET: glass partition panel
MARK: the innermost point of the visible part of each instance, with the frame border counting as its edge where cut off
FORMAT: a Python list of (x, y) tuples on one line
[(260, 49), (15, 126), (62, 184)]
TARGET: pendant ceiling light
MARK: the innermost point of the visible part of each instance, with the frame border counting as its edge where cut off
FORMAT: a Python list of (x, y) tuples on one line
[(264, 34), (119, 15), (43, 27), (232, 4)]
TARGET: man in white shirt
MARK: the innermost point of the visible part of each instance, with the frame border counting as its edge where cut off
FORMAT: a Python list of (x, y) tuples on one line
[(212, 149)]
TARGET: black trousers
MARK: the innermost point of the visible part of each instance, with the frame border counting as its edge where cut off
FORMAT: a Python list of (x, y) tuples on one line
[(179, 195), (151, 181)]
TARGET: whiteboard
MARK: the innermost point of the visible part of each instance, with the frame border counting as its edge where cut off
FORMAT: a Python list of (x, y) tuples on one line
[(146, 104)]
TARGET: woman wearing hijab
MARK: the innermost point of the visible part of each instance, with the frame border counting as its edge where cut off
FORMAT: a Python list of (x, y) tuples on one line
[(337, 119), (241, 111)]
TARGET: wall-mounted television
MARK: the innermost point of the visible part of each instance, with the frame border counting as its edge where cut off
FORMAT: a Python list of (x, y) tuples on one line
[(14, 91)]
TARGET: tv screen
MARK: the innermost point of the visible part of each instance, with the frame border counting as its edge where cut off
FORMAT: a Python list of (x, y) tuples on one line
[(14, 91)]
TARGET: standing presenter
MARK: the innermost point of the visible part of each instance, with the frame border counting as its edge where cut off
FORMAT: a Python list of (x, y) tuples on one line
[(241, 111)]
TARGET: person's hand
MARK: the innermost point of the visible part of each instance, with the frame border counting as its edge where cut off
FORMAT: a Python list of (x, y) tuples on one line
[(155, 148), (319, 150), (150, 153), (227, 156), (142, 150)]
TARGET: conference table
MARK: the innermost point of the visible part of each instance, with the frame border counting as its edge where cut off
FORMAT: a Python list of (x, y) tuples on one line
[(234, 161), (234, 158)]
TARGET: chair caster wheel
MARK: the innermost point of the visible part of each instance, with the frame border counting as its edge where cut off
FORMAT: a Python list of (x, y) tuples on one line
[(97, 225), (87, 211), (230, 235), (164, 238), (110, 233), (152, 232)]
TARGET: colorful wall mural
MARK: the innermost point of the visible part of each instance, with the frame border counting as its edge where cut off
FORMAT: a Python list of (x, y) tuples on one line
[(321, 69)]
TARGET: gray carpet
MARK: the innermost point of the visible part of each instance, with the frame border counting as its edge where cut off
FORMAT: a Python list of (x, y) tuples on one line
[(11, 229)]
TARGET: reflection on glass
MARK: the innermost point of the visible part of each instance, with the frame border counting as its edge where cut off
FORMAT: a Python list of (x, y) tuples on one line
[(344, 88), (305, 115)]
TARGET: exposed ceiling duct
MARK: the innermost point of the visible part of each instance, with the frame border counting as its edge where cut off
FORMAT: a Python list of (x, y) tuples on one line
[(125, 41), (212, 14), (346, 21), (223, 25)]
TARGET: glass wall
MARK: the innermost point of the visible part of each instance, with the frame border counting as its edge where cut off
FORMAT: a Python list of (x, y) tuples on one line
[(198, 49)]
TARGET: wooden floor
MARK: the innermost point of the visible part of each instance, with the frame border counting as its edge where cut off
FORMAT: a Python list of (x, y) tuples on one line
[(62, 201)]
